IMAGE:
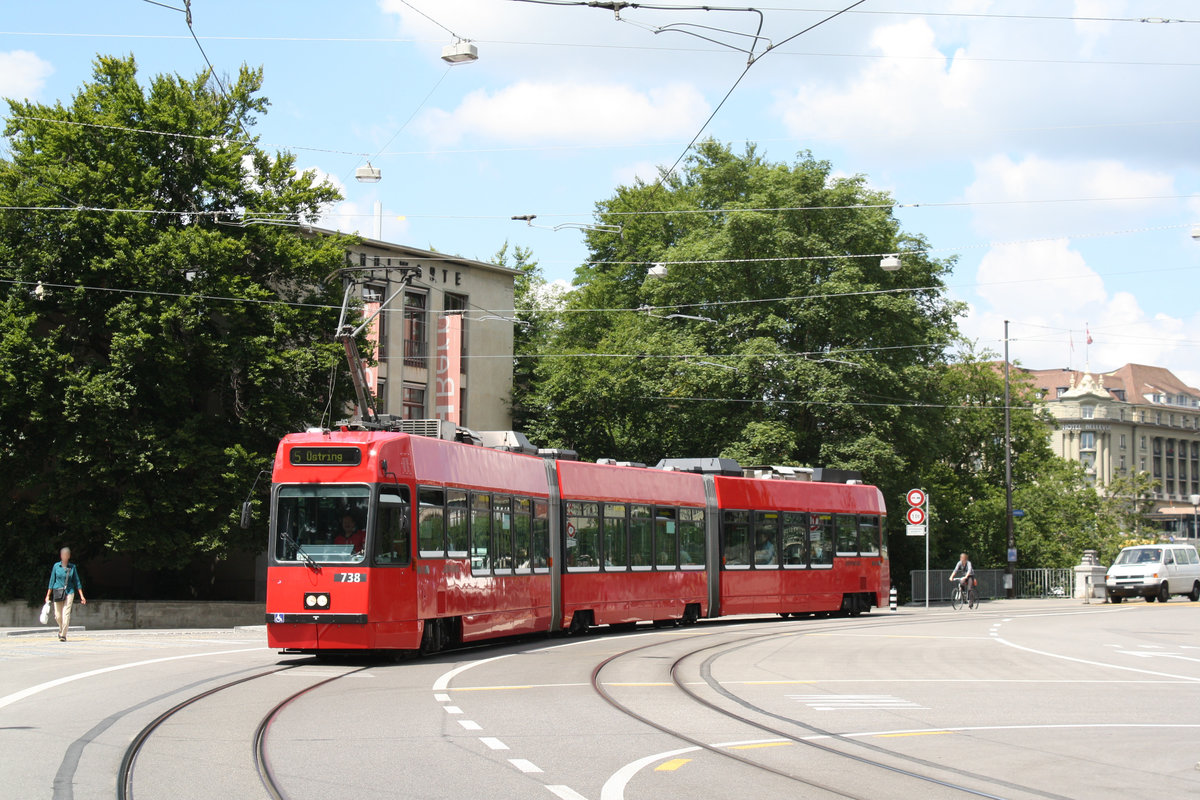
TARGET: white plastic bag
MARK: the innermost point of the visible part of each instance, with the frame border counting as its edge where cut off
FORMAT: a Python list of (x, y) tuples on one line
[(44, 617)]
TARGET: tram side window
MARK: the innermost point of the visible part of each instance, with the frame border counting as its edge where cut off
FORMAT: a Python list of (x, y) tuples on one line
[(820, 537), (583, 536), (616, 538), (391, 530), (431, 540), (868, 534), (847, 535), (795, 539), (539, 551), (736, 540), (522, 559), (666, 538), (502, 534), (766, 539), (641, 537), (691, 538), (481, 533), (457, 528)]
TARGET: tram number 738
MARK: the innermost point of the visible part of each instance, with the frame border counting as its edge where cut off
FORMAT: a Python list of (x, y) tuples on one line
[(350, 577)]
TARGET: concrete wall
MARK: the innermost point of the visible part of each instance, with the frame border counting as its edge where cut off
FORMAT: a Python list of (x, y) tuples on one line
[(142, 614)]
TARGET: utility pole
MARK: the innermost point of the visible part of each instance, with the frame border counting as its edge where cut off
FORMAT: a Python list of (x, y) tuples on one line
[(1010, 590)]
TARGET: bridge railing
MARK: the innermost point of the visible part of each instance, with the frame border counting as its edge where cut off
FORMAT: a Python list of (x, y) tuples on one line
[(1029, 583)]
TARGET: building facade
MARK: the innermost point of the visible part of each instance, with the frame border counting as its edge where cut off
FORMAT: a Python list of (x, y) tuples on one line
[(444, 344), (1136, 418)]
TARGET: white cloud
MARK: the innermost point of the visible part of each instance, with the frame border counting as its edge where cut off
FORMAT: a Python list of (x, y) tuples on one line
[(1001, 179), (645, 171), (895, 97), (1053, 298), (531, 111), (22, 74)]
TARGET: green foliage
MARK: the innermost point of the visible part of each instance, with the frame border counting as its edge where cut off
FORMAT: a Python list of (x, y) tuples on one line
[(140, 395)]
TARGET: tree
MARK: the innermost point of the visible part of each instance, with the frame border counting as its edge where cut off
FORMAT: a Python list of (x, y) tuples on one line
[(151, 354), (768, 338), (1129, 501)]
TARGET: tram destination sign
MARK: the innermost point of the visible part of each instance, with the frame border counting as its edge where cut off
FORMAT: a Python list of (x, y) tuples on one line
[(325, 456)]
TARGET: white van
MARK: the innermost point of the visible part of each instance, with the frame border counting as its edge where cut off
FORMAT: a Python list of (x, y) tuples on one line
[(1155, 572)]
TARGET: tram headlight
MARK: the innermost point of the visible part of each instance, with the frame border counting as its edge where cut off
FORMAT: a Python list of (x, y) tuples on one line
[(315, 600)]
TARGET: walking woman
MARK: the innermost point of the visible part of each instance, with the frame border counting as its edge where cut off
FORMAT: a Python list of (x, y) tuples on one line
[(64, 583)]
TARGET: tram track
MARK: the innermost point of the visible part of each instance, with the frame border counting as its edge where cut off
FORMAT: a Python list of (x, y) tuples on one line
[(262, 765), (872, 759)]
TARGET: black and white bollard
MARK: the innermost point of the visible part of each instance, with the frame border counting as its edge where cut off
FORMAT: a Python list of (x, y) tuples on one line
[(892, 600)]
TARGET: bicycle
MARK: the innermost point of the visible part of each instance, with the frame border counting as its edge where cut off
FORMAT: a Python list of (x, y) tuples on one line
[(956, 599)]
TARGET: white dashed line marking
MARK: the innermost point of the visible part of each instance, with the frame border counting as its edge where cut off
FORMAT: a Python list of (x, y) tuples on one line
[(524, 765), (442, 698), (566, 793), (452, 709), (469, 725), (493, 742)]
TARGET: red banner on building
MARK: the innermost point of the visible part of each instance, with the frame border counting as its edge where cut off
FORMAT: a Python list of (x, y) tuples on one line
[(372, 373), (447, 391)]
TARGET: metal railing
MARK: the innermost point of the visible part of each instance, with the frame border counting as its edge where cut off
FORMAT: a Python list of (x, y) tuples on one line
[(1029, 583)]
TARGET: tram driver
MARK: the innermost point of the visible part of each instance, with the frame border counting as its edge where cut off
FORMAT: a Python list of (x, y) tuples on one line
[(351, 533)]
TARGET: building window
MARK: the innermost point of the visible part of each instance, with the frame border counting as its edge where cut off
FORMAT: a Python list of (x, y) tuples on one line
[(1122, 463), (414, 329), (381, 394), (1122, 442), (1122, 412), (1087, 412), (1142, 464), (1143, 416), (1087, 441), (1059, 391), (1143, 442), (414, 401), (1158, 418), (375, 294)]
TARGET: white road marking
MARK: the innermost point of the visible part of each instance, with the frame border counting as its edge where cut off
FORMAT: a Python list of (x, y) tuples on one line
[(845, 702), (1187, 678), (1140, 654), (524, 765), (442, 698), (493, 743), (452, 709), (614, 787), (15, 697), (469, 725), (443, 681), (565, 792)]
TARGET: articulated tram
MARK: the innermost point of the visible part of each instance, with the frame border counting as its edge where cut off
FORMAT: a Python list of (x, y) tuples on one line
[(383, 540)]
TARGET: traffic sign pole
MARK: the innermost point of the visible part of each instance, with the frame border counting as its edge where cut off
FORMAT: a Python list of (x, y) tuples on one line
[(917, 519)]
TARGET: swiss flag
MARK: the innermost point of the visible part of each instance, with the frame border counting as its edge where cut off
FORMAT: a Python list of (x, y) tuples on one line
[(1089, 335)]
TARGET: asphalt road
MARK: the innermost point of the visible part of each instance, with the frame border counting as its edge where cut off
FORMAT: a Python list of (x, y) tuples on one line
[(1017, 699)]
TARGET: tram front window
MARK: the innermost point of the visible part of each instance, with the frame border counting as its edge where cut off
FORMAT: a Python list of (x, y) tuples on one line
[(321, 524)]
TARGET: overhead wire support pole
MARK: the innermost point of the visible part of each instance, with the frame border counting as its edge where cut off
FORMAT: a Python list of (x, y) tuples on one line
[(1010, 591)]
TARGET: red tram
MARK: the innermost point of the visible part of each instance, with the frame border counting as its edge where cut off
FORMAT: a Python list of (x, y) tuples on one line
[(394, 541)]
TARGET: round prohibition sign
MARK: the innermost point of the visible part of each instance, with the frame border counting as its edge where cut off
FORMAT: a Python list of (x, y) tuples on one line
[(915, 516), (915, 497)]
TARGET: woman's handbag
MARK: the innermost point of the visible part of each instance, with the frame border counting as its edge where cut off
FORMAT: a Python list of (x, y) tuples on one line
[(58, 595), (44, 617)]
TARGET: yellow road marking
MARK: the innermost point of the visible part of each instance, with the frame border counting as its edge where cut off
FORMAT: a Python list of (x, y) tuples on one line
[(911, 733), (639, 684), (760, 745), (672, 765)]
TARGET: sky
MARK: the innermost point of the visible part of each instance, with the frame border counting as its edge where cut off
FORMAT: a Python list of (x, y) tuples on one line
[(1051, 147)]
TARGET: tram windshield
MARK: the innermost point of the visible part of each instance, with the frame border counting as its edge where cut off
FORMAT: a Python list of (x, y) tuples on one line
[(321, 524)]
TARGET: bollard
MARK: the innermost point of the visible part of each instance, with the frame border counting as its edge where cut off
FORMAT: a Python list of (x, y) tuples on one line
[(893, 599), (1087, 597)]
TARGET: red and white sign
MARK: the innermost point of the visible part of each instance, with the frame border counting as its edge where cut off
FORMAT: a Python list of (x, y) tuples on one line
[(915, 516), (915, 497), (447, 388)]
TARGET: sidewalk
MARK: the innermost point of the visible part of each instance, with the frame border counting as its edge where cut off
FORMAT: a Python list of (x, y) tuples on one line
[(49, 630)]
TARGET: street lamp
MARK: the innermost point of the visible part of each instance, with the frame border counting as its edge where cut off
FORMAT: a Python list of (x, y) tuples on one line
[(1195, 515)]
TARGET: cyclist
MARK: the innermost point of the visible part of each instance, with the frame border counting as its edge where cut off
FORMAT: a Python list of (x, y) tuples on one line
[(964, 573)]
